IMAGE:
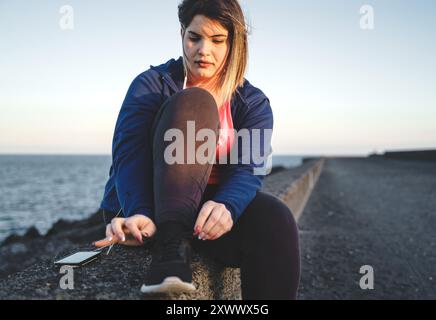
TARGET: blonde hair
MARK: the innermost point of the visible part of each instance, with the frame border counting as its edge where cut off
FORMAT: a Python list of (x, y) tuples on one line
[(229, 14)]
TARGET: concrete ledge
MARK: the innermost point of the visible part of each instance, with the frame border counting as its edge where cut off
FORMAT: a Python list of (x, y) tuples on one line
[(120, 274), (300, 187)]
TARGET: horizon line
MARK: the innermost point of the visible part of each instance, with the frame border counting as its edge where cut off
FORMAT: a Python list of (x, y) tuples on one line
[(338, 154)]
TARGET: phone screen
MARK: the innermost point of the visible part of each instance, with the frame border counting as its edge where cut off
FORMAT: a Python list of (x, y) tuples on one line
[(78, 258)]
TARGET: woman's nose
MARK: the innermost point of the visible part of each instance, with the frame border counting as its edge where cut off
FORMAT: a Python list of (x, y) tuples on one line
[(204, 48)]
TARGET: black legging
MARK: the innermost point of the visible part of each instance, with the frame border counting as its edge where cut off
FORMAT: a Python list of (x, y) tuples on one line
[(178, 188), (263, 243)]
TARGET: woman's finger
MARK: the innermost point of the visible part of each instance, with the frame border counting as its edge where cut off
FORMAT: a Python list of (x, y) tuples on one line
[(215, 232), (130, 241), (149, 230), (213, 219), (110, 238), (217, 236), (109, 233), (203, 215), (133, 228), (132, 231), (226, 227), (223, 226), (117, 228)]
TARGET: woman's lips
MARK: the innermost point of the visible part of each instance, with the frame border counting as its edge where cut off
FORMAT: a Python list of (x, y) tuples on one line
[(203, 64)]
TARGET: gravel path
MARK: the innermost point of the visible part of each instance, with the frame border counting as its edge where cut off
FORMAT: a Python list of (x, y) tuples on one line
[(376, 212)]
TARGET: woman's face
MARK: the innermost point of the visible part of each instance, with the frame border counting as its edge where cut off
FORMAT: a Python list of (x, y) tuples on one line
[(205, 40)]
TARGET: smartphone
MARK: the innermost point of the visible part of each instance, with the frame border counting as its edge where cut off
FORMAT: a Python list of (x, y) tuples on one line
[(78, 259)]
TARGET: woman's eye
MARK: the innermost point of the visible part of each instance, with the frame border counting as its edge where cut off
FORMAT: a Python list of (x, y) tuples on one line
[(197, 39)]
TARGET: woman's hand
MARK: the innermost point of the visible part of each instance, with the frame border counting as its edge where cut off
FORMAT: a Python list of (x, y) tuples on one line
[(128, 231), (214, 220)]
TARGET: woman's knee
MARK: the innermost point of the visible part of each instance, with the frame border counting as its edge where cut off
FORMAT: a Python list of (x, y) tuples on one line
[(272, 214), (195, 99), (192, 104), (282, 218), (189, 109)]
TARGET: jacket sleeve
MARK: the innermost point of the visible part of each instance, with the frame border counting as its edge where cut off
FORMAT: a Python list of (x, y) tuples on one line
[(132, 145), (245, 178)]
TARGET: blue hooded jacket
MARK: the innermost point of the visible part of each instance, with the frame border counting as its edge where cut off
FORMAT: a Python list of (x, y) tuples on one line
[(130, 184)]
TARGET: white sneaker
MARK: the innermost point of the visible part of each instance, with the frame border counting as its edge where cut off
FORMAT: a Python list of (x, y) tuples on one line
[(169, 285)]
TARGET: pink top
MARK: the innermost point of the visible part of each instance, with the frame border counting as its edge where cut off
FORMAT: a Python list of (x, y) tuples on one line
[(225, 141)]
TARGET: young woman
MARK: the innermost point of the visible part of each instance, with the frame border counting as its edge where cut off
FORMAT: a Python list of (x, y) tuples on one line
[(216, 208)]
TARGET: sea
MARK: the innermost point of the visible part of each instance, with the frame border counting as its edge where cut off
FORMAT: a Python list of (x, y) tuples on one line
[(38, 190)]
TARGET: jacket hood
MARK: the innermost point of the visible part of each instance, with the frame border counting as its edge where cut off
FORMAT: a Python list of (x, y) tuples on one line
[(172, 73)]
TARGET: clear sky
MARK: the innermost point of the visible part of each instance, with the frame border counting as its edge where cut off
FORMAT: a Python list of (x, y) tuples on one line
[(335, 88)]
